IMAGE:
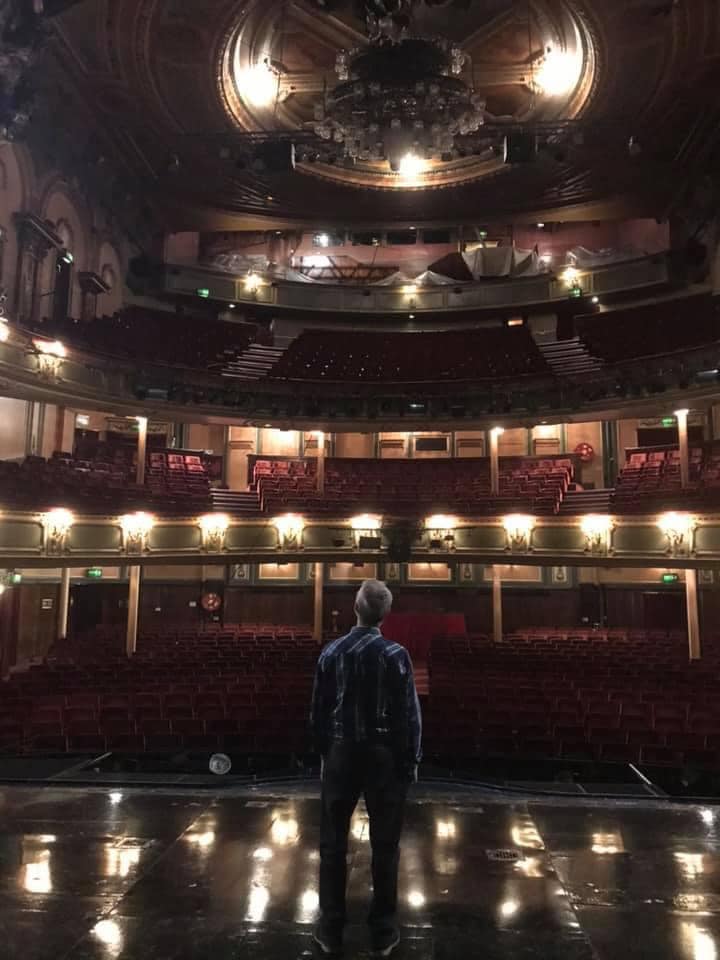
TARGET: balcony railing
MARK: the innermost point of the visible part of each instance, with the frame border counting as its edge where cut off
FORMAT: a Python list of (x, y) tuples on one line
[(488, 294)]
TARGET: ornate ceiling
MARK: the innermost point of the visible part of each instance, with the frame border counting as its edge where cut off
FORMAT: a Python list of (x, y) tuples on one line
[(163, 85)]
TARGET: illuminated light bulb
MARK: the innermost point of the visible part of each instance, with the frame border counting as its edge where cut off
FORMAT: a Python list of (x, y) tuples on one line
[(4, 331), (445, 829), (416, 899), (259, 84), (708, 816), (284, 831), (115, 797), (558, 73), (570, 276), (252, 283), (411, 165)]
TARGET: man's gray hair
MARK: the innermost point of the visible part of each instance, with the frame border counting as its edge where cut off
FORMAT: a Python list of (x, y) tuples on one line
[(373, 602)]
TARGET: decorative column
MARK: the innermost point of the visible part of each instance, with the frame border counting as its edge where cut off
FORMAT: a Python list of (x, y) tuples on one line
[(227, 449), (682, 422), (320, 460), (91, 286), (59, 427), (35, 240), (63, 611), (133, 608), (318, 602), (693, 616), (495, 434), (141, 449), (497, 604)]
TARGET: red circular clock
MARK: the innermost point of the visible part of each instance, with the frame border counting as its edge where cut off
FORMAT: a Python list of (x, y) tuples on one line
[(585, 451), (211, 602)]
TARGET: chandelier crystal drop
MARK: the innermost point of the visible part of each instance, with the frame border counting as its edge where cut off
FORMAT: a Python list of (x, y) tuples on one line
[(399, 100)]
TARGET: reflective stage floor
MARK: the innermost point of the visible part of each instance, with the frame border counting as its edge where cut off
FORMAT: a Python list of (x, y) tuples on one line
[(94, 874)]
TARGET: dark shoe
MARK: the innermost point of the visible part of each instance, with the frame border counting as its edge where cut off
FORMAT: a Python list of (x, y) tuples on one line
[(329, 944), (384, 945)]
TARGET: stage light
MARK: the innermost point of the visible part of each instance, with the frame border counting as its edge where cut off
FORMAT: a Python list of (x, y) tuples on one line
[(441, 522), (115, 797), (366, 521), (204, 839), (259, 84), (559, 72), (257, 903), (708, 816)]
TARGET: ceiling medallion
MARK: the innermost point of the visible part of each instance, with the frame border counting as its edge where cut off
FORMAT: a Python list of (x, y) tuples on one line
[(401, 100)]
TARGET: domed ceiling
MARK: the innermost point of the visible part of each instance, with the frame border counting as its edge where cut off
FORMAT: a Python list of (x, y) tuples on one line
[(398, 110)]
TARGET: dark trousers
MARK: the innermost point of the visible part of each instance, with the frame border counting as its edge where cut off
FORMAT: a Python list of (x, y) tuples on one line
[(352, 770)]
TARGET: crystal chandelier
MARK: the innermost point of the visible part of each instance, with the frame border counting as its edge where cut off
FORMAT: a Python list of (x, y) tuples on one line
[(400, 100)]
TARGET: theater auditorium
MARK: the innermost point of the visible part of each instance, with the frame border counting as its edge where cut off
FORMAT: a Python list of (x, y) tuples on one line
[(297, 294)]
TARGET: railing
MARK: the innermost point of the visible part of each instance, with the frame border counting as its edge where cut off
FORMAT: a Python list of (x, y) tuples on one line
[(490, 294)]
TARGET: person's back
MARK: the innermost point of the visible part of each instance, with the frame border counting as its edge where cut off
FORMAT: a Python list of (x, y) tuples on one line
[(367, 728)]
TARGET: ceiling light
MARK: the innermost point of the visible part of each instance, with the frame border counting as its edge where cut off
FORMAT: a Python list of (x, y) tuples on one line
[(416, 899), (559, 72), (259, 85)]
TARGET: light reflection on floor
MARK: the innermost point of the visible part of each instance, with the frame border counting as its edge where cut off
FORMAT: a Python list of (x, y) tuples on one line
[(90, 874)]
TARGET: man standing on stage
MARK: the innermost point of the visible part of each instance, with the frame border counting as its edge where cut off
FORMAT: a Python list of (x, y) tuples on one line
[(367, 727)]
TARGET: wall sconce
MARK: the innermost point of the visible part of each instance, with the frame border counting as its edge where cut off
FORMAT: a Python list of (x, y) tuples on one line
[(135, 528), (570, 277), (410, 290), (49, 353), (56, 528), (252, 284), (679, 529), (214, 526), (366, 528), (441, 529), (290, 529), (518, 527), (597, 530)]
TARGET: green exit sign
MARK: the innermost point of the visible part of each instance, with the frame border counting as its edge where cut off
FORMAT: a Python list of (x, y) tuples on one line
[(94, 573), (576, 292), (15, 579), (668, 421), (670, 577), (203, 292)]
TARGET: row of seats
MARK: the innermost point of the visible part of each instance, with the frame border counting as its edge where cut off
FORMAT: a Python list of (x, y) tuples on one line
[(475, 354), (615, 695), (578, 694), (174, 483), (397, 486), (650, 480), (656, 328), (156, 336)]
